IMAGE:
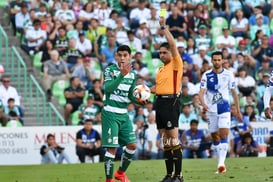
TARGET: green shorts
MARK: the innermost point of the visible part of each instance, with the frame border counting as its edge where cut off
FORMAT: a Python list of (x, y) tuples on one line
[(117, 129)]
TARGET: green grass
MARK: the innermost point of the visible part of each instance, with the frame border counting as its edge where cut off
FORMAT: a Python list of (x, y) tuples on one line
[(198, 170)]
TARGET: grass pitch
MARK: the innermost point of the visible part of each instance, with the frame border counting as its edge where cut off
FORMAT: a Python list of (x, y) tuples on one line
[(197, 170)]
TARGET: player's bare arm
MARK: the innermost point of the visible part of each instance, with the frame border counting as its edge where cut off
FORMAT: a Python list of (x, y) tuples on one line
[(202, 101), (236, 102)]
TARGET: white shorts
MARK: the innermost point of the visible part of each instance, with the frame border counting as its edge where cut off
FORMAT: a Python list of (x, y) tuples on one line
[(216, 121)]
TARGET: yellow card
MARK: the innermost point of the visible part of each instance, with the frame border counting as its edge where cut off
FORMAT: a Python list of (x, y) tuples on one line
[(162, 13)]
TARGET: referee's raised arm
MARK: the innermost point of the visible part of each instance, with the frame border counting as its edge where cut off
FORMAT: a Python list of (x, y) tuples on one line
[(169, 37)]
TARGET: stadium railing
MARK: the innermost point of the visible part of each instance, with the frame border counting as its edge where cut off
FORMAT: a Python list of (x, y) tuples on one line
[(4, 41), (17, 68), (37, 99)]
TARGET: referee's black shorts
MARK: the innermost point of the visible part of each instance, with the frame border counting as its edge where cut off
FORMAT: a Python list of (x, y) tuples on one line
[(167, 112)]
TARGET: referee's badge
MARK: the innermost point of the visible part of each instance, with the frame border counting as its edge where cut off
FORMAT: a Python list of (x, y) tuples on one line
[(169, 124)]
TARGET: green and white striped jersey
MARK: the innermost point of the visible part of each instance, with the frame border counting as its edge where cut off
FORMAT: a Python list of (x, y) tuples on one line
[(118, 89), (89, 112)]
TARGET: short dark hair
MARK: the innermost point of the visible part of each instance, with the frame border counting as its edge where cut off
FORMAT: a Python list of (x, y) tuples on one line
[(36, 21), (217, 53), (11, 99), (165, 44), (50, 135), (124, 48), (72, 79), (194, 121), (88, 120), (95, 81)]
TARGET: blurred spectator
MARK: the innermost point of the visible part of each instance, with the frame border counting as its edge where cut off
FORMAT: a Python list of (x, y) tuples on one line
[(85, 73), (35, 38), (48, 23), (153, 22), (195, 22), (193, 142), (131, 111), (248, 147), (160, 148), (238, 128), (12, 111), (79, 29), (88, 142), (14, 8), (3, 118), (249, 64), (94, 31), (76, 6), (2, 70), (259, 26), (252, 19), (144, 34), (98, 92), (263, 51), (58, 36), (72, 55), (152, 129), (102, 42), (239, 24), (186, 116), (111, 22), (65, 15), (144, 140), (219, 8), (187, 70), (177, 24), (202, 38), (261, 89), (141, 71), (7, 91), (86, 14), (250, 113), (192, 88), (46, 50), (269, 142), (263, 70), (133, 42), (226, 41), (257, 40), (138, 13), (84, 45), (157, 40), (108, 52), (89, 110), (41, 12), (242, 47), (21, 17), (35, 4), (54, 5), (52, 153), (245, 83), (121, 31), (140, 117), (185, 56), (196, 107), (148, 109), (74, 97), (28, 24), (102, 12), (200, 57), (185, 97), (191, 47), (54, 70)]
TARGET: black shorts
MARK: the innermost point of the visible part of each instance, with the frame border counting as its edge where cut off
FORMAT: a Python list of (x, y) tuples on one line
[(167, 113)]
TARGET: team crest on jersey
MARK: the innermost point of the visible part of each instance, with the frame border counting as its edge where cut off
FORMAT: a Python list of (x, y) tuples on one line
[(116, 73), (211, 79)]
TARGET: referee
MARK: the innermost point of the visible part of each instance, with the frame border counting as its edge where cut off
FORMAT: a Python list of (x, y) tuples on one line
[(167, 89)]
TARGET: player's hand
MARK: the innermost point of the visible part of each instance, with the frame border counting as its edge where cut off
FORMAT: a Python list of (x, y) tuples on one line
[(125, 68), (267, 113), (239, 116)]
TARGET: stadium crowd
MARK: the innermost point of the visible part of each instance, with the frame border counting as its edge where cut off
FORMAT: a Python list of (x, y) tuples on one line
[(75, 35)]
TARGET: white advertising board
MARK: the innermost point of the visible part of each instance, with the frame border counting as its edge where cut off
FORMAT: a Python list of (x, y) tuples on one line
[(20, 146)]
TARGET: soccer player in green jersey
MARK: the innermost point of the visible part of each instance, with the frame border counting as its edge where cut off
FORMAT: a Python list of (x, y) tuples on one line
[(117, 129)]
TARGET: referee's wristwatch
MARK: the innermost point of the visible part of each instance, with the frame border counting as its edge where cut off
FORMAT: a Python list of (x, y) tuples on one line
[(163, 27)]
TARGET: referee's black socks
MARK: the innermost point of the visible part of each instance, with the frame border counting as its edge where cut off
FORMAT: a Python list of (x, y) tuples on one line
[(173, 158)]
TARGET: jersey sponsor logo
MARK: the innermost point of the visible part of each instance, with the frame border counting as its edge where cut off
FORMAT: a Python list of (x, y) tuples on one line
[(217, 98), (115, 140)]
